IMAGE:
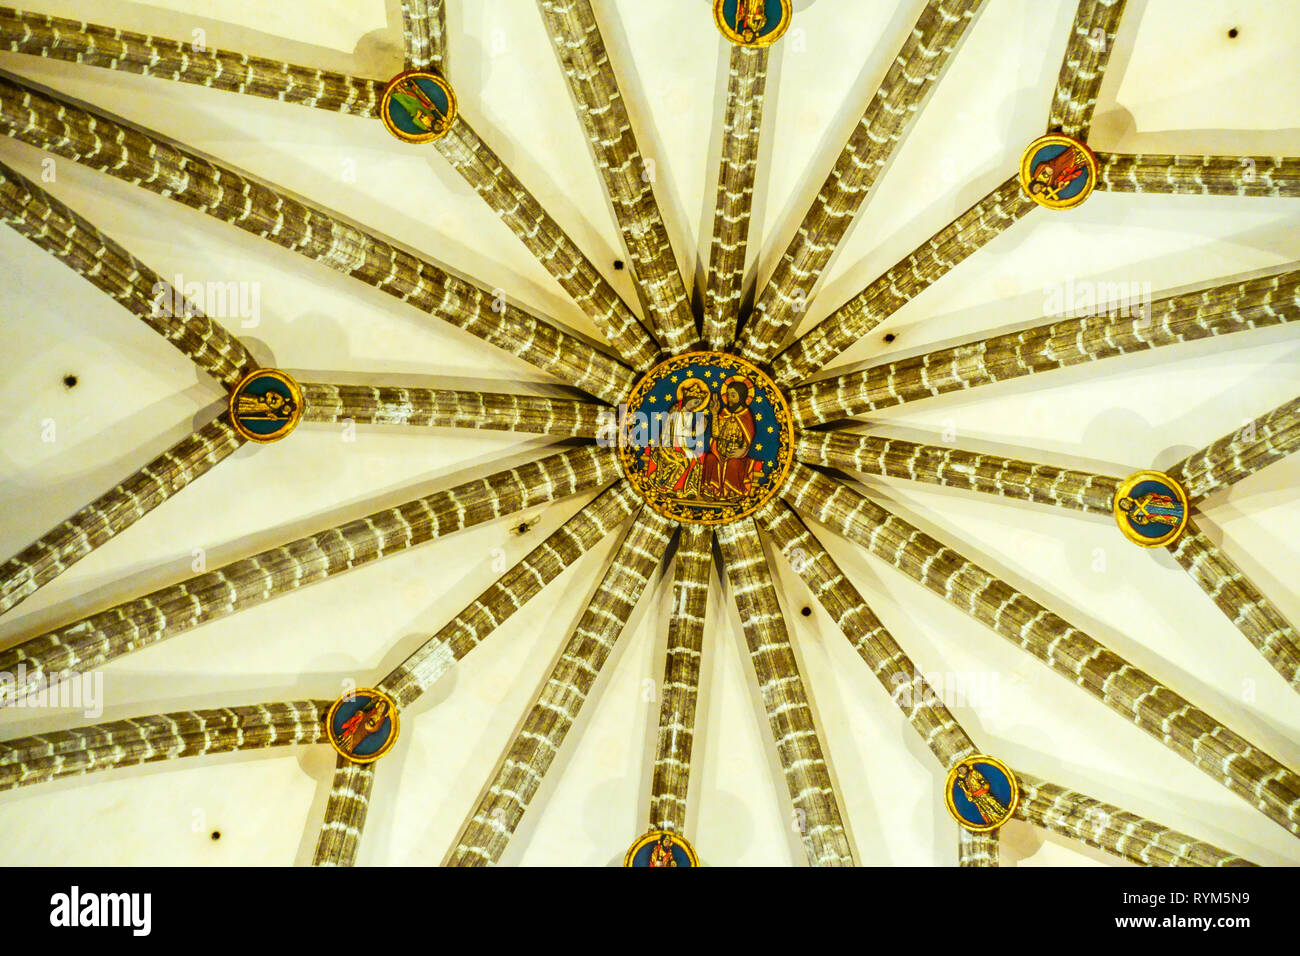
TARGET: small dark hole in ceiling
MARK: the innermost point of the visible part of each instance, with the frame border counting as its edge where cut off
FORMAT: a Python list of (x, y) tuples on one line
[(69, 381)]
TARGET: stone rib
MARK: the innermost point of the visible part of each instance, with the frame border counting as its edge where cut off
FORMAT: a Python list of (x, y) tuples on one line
[(1092, 37), (171, 610), (977, 849), (1135, 695), (1238, 598), (925, 265), (115, 511), (1275, 176), (145, 159), (518, 775), (1109, 828), (190, 733), (127, 52), (1257, 444), (52, 226), (741, 129), (912, 75), (436, 656), (907, 687), (510, 199), (1221, 310), (424, 34), (785, 700), (443, 408), (955, 468), (628, 177), (670, 777), (345, 813)]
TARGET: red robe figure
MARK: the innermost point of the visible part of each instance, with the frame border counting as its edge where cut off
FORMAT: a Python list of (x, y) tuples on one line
[(728, 469), (662, 854), (1051, 176), (368, 719)]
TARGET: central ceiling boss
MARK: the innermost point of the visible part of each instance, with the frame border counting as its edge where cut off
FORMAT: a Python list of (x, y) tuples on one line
[(705, 438)]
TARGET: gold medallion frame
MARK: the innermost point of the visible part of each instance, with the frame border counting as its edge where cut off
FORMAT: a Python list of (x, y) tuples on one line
[(1127, 485), (1058, 139), (352, 695), (429, 137), (653, 837), (667, 505), (952, 778), (293, 421), (787, 15)]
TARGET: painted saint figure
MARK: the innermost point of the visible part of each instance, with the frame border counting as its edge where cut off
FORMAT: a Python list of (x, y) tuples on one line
[(751, 19), (366, 721), (977, 790), (674, 462), (728, 467), (423, 112), (1152, 508), (269, 406), (1050, 177), (662, 854)]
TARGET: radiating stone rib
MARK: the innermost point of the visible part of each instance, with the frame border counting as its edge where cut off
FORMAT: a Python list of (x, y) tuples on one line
[(190, 733), (548, 242), (670, 777), (127, 52), (1255, 445), (628, 176), (912, 75), (1092, 37), (487, 612), (1239, 599), (345, 813), (1276, 176), (977, 849), (785, 700), (171, 610), (517, 776), (145, 159), (742, 126), (925, 265), (1232, 307), (1135, 695), (115, 511), (52, 226), (956, 468), (424, 34), (445, 408), (907, 687), (1109, 828)]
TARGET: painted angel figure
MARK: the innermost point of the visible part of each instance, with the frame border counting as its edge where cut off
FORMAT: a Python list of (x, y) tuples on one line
[(368, 719), (1050, 177)]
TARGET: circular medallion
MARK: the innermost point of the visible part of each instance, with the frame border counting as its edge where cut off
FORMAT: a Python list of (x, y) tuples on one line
[(362, 725), (661, 848), (418, 106), (266, 405), (1058, 172), (981, 793), (752, 22), (1150, 508), (705, 438)]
